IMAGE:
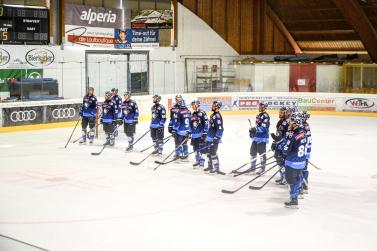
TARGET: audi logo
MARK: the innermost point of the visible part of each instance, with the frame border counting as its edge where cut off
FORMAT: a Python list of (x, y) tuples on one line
[(21, 116), (63, 113)]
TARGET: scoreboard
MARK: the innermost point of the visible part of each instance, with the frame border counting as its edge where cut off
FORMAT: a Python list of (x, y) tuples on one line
[(20, 25)]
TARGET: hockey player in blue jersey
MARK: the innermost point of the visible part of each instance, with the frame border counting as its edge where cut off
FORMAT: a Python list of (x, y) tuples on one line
[(182, 130), (260, 136), (199, 128), (118, 103), (294, 151), (157, 124), (88, 112), (109, 119), (282, 127), (174, 122), (214, 135), (130, 113), (305, 173)]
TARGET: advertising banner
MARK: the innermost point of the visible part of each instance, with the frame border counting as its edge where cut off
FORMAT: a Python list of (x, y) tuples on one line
[(356, 104), (252, 102), (22, 115), (317, 103), (136, 38), (27, 57), (152, 19), (30, 115), (206, 102), (93, 26), (62, 113)]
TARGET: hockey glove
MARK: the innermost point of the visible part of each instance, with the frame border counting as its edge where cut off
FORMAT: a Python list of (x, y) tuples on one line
[(216, 140), (273, 146), (170, 129), (252, 132), (204, 136), (119, 121), (280, 160)]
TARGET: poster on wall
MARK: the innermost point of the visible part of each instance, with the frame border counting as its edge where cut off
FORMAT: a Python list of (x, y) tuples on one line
[(93, 26), (136, 38), (152, 19)]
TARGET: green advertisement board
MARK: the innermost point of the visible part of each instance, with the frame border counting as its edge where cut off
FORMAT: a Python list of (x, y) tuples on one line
[(7, 74)]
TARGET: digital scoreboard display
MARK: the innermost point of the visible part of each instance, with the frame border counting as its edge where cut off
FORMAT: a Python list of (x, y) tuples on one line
[(20, 25)]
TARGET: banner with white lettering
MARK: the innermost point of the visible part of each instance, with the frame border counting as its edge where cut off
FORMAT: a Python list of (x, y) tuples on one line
[(93, 26)]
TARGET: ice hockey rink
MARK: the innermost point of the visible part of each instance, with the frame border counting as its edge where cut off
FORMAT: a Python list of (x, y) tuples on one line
[(67, 199)]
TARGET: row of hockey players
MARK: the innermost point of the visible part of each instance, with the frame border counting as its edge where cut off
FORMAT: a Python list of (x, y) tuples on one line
[(291, 145), (114, 111), (205, 134)]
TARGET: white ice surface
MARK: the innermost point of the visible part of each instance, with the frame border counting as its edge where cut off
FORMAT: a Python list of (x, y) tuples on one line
[(67, 199)]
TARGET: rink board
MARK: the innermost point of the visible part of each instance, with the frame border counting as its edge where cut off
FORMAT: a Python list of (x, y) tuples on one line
[(65, 113)]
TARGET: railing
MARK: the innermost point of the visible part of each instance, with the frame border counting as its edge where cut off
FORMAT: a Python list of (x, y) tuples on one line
[(189, 75)]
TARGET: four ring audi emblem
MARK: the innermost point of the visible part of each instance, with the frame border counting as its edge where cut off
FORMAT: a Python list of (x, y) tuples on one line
[(21, 116), (63, 113)]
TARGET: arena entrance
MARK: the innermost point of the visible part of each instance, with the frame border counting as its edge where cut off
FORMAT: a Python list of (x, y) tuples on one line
[(117, 69)]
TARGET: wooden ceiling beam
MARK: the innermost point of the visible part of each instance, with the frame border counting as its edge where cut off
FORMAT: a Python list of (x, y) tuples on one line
[(280, 25), (353, 12)]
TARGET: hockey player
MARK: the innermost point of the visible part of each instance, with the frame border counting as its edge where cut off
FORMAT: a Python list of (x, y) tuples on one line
[(199, 128), (88, 112), (295, 158), (282, 128), (130, 117), (305, 173), (109, 119), (157, 124), (260, 136), (214, 135), (174, 122), (181, 129), (117, 101)]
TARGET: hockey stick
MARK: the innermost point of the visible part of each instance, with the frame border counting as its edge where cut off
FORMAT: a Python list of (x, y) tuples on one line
[(314, 165), (260, 187), (258, 166), (235, 170), (149, 147), (142, 136), (76, 140), (247, 183), (104, 145), (237, 173), (72, 132), (162, 162), (138, 163), (250, 123), (198, 150)]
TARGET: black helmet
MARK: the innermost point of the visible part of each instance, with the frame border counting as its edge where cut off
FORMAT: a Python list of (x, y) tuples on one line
[(107, 94), (157, 97), (263, 104), (195, 102), (217, 104)]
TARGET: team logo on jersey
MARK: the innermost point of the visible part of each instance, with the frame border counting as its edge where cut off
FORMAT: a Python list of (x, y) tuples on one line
[(360, 103)]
